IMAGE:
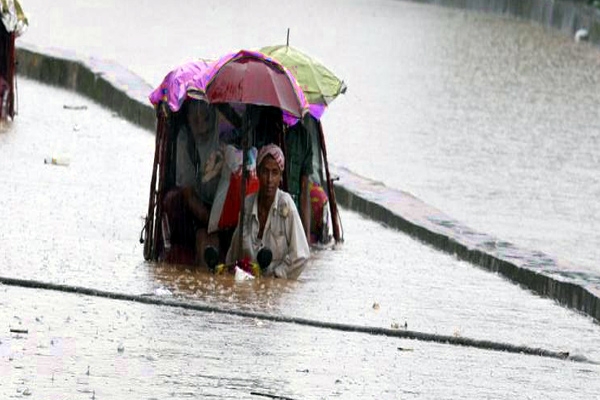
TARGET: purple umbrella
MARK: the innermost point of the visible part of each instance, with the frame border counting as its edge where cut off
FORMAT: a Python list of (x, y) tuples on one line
[(189, 79)]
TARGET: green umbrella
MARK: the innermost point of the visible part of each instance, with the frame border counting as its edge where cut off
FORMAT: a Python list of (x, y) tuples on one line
[(319, 84), (13, 17)]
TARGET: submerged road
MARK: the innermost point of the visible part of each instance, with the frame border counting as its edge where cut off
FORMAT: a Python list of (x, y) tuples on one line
[(492, 120), (528, 92), (78, 225)]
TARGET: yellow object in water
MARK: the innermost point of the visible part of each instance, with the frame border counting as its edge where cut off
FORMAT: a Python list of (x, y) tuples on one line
[(251, 267)]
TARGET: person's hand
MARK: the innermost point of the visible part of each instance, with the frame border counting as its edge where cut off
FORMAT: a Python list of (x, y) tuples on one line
[(213, 166)]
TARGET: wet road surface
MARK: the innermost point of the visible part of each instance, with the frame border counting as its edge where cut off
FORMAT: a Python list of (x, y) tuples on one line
[(79, 225), (83, 348)]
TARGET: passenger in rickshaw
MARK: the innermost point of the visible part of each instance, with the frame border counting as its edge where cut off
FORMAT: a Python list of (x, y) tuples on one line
[(308, 195), (197, 171), (271, 221), (227, 201), (298, 169)]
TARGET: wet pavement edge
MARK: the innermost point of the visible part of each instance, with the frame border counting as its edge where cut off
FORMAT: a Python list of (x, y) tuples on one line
[(125, 93)]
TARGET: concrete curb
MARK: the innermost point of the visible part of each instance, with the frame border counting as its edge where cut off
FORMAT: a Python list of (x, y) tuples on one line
[(569, 285), (105, 82), (125, 93)]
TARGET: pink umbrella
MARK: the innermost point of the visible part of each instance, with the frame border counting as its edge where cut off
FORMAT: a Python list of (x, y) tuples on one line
[(183, 81)]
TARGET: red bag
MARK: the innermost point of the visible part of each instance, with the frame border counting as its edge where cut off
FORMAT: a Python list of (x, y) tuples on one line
[(231, 207)]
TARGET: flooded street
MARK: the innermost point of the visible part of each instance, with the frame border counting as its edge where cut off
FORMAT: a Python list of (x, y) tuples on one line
[(492, 120), (79, 225)]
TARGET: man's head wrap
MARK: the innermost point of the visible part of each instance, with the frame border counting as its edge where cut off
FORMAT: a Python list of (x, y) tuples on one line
[(274, 151)]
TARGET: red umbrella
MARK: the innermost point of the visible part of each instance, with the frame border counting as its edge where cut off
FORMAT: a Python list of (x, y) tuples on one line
[(250, 77)]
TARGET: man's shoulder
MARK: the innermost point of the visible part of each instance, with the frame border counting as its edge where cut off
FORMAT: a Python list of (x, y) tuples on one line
[(285, 196), (285, 199)]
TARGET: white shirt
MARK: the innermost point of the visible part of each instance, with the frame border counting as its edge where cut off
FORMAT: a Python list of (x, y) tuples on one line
[(283, 235)]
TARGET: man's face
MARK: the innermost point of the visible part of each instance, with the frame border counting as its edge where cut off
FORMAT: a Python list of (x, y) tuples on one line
[(269, 176)]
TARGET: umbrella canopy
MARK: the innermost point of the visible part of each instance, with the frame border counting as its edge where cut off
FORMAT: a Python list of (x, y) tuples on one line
[(186, 80), (13, 17), (319, 84), (249, 77)]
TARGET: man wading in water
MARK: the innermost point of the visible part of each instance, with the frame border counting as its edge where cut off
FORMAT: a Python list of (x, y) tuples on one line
[(271, 221)]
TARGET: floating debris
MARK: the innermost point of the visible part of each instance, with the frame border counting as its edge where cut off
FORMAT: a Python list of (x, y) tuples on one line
[(16, 330), (582, 35), (162, 291), (271, 396), (58, 160), (70, 107), (241, 275)]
